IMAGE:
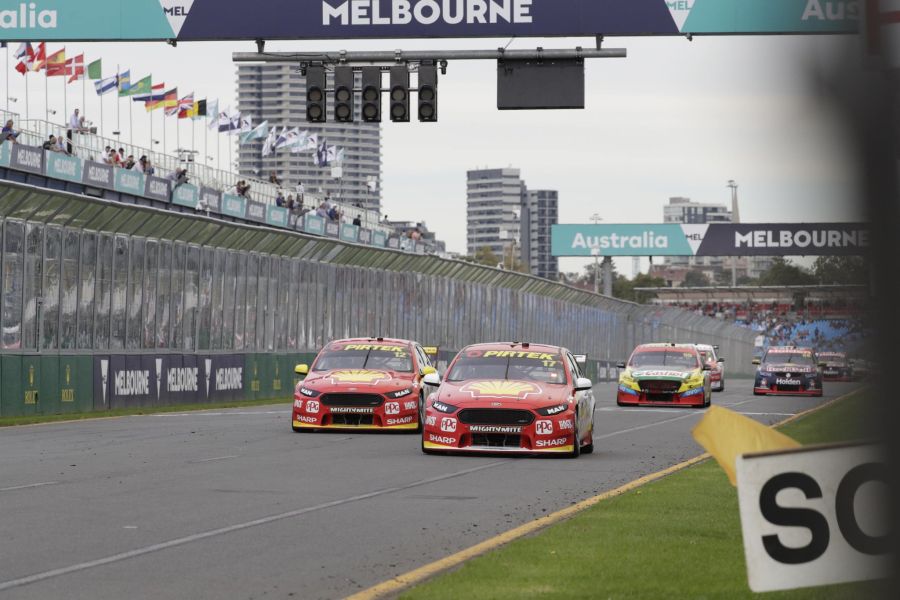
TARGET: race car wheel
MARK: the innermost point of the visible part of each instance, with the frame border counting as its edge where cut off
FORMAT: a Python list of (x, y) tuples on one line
[(424, 449), (589, 449), (421, 413), (576, 447)]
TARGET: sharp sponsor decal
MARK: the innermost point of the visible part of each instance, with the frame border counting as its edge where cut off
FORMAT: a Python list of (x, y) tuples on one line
[(501, 388), (359, 376), (305, 419), (440, 439), (392, 408), (494, 429), (551, 443), (544, 427), (448, 425), (340, 410), (131, 383), (401, 420)]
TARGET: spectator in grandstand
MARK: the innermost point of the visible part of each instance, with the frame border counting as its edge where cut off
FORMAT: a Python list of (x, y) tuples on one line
[(61, 145), (357, 220), (111, 158), (178, 177), (129, 162), (322, 211), (279, 199), (50, 144), (9, 133), (273, 178), (333, 214)]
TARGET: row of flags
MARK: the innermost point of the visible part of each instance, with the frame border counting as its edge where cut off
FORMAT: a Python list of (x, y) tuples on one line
[(156, 96)]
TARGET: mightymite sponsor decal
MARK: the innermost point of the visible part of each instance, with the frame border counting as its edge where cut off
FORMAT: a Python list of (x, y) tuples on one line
[(352, 410), (494, 429), (501, 389), (359, 376)]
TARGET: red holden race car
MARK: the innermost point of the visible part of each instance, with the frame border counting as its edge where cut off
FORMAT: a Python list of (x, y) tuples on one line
[(788, 371), (368, 383), (837, 366), (709, 355), (511, 398), (664, 375)]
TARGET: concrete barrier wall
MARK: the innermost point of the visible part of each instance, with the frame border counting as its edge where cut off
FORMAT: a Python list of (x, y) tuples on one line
[(104, 305)]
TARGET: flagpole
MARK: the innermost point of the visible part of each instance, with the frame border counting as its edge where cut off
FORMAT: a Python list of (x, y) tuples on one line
[(26, 95), (131, 120), (46, 95), (7, 78), (101, 110), (118, 105), (164, 130), (65, 99), (151, 121), (84, 92)]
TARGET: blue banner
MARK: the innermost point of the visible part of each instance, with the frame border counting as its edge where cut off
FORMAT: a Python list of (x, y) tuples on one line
[(191, 20), (234, 206), (61, 166), (314, 224), (5, 153), (277, 216), (130, 182), (379, 239), (186, 195), (349, 232)]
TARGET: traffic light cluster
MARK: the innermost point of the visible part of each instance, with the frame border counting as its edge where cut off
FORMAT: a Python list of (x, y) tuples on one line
[(344, 94)]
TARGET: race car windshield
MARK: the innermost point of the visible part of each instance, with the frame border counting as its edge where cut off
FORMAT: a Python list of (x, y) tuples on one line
[(790, 358), (389, 360), (679, 360), (546, 370)]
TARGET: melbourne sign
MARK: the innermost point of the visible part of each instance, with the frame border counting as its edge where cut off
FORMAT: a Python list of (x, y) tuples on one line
[(190, 20), (814, 516), (718, 239)]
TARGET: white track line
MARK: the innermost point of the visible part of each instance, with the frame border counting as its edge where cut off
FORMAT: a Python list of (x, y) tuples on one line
[(13, 583), (28, 486), (206, 460)]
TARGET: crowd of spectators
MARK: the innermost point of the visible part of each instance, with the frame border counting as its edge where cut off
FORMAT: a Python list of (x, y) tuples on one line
[(118, 158)]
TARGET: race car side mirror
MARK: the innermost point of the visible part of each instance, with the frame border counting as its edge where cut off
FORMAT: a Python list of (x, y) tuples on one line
[(302, 370), (432, 378), (755, 361), (621, 365), (428, 371), (583, 384), (721, 360)]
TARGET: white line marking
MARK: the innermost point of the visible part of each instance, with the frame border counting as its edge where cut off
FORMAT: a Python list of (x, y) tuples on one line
[(30, 485), (206, 460), (13, 583), (613, 409), (219, 414), (695, 413)]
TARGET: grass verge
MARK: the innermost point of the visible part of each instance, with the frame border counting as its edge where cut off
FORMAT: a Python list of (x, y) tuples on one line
[(678, 537), (127, 412)]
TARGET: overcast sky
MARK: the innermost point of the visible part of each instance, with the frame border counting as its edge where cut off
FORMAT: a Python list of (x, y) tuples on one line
[(675, 118)]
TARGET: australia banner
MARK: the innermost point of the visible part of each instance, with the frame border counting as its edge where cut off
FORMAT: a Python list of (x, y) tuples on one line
[(193, 20), (718, 239)]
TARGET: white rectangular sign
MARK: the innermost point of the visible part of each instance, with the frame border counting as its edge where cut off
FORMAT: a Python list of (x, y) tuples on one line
[(813, 516)]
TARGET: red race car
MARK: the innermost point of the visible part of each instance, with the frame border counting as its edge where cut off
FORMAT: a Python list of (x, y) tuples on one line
[(511, 398), (367, 383)]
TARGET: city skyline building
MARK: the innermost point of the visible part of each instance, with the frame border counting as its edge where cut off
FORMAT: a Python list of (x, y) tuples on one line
[(277, 93)]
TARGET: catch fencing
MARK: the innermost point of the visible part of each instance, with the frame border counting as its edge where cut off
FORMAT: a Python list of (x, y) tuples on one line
[(105, 304)]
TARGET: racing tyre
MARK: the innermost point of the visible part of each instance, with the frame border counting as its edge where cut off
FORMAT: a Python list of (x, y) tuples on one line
[(576, 447), (589, 449), (421, 414), (425, 450)]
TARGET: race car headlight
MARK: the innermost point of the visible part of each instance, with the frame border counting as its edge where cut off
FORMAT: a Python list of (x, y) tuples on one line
[(443, 407), (693, 392), (401, 393), (811, 375), (309, 393), (549, 411)]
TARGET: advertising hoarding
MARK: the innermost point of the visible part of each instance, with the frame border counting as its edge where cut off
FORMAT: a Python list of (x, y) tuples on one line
[(193, 20)]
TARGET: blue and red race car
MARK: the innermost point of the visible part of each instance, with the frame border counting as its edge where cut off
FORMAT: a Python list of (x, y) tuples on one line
[(789, 371), (511, 398), (366, 383), (837, 366)]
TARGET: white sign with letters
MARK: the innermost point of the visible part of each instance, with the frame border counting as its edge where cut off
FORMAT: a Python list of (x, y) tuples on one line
[(813, 516)]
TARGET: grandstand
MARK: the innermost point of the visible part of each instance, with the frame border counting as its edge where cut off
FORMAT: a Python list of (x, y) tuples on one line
[(89, 149)]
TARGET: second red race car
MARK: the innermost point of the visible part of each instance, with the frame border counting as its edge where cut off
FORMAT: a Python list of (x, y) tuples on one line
[(367, 383), (511, 398)]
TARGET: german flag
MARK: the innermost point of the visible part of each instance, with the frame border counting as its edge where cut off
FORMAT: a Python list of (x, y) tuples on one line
[(169, 100)]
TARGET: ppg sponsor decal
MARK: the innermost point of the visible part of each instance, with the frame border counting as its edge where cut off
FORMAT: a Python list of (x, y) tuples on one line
[(392, 408), (448, 425), (544, 427)]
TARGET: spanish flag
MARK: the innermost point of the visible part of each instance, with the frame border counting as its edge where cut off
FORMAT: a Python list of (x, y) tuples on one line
[(56, 64), (726, 435)]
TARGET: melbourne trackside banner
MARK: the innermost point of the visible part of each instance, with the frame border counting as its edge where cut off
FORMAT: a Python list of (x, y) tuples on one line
[(186, 20), (719, 239)]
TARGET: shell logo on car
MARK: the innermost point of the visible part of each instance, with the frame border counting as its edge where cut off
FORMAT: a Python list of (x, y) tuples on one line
[(501, 389), (359, 376)]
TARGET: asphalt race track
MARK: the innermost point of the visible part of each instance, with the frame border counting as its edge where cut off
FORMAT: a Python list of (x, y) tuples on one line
[(233, 504)]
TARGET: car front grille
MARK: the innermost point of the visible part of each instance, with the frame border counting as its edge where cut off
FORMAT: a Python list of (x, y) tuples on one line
[(495, 416), (352, 420), (497, 440), (352, 400), (660, 387)]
